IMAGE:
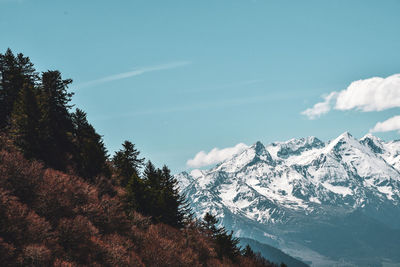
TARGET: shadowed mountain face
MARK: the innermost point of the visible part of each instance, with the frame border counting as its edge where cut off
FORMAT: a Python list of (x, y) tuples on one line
[(325, 203)]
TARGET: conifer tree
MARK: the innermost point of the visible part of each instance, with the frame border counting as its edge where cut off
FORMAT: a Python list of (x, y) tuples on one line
[(154, 199), (176, 208), (225, 244), (127, 162), (135, 198), (56, 122), (157, 195), (209, 223), (248, 252), (140, 196), (25, 122), (90, 154), (15, 73)]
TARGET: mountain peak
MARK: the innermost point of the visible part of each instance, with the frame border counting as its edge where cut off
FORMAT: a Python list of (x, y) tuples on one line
[(344, 138), (259, 148), (261, 152), (368, 135), (373, 142), (372, 137), (250, 155), (295, 146), (346, 135), (306, 178)]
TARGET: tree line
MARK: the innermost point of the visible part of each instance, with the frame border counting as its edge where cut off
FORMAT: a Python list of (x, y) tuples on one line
[(37, 116)]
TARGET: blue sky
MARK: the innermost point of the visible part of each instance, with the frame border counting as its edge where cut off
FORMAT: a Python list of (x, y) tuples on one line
[(178, 77)]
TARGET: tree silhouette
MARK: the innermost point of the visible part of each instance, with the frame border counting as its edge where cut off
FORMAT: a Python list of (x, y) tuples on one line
[(90, 154), (25, 121), (16, 72), (56, 123), (225, 244), (127, 162)]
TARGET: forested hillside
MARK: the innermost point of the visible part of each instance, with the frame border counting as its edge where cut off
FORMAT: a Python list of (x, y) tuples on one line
[(65, 202)]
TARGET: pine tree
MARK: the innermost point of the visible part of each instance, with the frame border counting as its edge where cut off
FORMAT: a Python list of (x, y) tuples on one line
[(127, 162), (153, 192), (140, 196), (225, 244), (157, 195), (25, 122), (135, 199), (248, 252), (56, 122), (176, 209), (90, 154), (15, 73), (209, 223)]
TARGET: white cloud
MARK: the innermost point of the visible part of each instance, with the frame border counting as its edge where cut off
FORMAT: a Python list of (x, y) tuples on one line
[(320, 108), (392, 124), (373, 94), (215, 156), (135, 72)]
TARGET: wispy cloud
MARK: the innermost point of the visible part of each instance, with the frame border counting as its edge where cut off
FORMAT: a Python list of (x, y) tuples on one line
[(373, 94), (135, 72), (215, 156), (320, 108)]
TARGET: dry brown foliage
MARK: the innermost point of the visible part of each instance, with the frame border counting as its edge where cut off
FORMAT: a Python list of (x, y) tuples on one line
[(50, 218)]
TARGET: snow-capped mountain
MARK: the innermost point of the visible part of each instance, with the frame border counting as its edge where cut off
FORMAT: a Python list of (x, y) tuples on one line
[(293, 194)]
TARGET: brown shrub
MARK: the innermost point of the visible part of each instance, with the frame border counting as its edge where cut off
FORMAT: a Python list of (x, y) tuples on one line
[(140, 221), (61, 195), (36, 255), (6, 143), (115, 250), (62, 263), (107, 215), (52, 218), (166, 246), (75, 236), (7, 252), (19, 176), (19, 224), (105, 186)]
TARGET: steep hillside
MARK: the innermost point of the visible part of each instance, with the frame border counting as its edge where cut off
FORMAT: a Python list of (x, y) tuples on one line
[(51, 218), (65, 202)]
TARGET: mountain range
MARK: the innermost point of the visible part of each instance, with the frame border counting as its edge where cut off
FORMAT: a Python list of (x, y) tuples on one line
[(332, 203)]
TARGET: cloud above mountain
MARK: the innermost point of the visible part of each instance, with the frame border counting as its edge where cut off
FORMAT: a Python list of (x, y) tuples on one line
[(215, 156), (392, 124), (320, 108), (372, 94)]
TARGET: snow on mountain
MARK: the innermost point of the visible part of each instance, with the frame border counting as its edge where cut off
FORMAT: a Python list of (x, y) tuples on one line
[(295, 182), (390, 151)]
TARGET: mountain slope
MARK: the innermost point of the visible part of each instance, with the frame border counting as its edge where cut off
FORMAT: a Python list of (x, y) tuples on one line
[(279, 194)]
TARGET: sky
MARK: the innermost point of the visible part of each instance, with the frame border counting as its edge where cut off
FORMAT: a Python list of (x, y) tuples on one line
[(180, 77)]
